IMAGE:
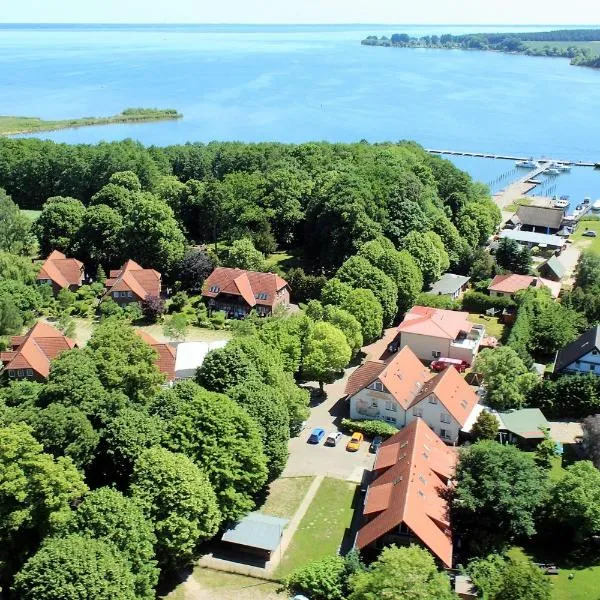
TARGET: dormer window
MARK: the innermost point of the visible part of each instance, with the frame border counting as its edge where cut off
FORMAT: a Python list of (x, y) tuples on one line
[(378, 386), (261, 296), (432, 400), (215, 289), (464, 403)]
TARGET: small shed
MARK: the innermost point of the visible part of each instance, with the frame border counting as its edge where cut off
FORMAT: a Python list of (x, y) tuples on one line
[(524, 427), (256, 534), (553, 269), (464, 588), (450, 285)]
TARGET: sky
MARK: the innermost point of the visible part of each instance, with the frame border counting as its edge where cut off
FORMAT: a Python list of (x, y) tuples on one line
[(567, 12)]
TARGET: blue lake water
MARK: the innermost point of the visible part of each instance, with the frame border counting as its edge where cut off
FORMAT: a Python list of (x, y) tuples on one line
[(299, 83)]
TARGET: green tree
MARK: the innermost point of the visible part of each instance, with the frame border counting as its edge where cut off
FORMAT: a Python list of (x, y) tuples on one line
[(243, 255), (323, 579), (575, 501), (326, 353), (335, 292), (486, 427), (408, 573), (555, 326), (426, 254), (75, 568), (124, 361), (546, 450), (100, 239), (359, 273), (178, 498), (15, 227), (11, 321), (347, 323), (209, 428), (506, 378), (498, 489), (512, 257), (58, 224), (270, 413), (126, 179), (366, 309), (224, 368), (105, 514), (176, 326), (35, 495)]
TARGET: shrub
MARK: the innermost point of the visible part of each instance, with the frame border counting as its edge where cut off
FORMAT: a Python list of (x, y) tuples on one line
[(369, 428), (479, 302), (153, 307), (445, 302), (321, 579)]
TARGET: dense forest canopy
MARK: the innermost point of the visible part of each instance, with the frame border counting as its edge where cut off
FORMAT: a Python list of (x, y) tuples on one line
[(325, 200)]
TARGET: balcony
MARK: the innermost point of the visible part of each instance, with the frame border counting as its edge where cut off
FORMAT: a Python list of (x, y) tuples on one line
[(471, 340)]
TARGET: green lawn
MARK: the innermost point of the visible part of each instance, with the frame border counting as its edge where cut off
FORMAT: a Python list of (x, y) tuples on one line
[(322, 529), (283, 260), (194, 334), (285, 496), (587, 243), (493, 326)]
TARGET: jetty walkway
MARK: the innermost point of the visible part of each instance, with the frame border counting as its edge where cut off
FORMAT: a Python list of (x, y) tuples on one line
[(510, 157)]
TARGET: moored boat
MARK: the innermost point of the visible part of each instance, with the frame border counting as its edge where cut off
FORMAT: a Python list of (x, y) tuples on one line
[(527, 164)]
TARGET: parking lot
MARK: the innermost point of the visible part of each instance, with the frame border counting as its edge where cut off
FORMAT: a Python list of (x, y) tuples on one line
[(318, 459)]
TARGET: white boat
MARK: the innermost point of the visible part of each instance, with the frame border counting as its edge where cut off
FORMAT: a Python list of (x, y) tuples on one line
[(563, 167), (527, 164), (552, 171), (561, 203), (596, 205), (587, 200)]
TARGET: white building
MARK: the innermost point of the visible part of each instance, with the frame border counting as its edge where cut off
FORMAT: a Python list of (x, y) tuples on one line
[(402, 390), (191, 355), (580, 356)]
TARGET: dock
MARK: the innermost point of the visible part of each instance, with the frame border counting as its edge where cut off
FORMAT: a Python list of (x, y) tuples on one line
[(510, 157)]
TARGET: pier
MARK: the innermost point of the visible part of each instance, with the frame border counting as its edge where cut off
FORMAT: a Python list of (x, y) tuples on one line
[(509, 157)]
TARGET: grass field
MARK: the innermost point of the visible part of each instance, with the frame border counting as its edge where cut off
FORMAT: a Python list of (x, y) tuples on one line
[(285, 496), (322, 529), (194, 334), (12, 125), (587, 243), (493, 326)]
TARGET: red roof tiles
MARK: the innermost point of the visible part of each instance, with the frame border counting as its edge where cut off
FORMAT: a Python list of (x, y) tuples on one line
[(166, 354), (36, 349), (435, 322), (410, 490), (62, 271), (252, 286), (133, 278), (512, 283)]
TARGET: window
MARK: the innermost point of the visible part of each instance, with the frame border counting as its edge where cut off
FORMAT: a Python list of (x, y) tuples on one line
[(378, 386), (129, 294), (389, 419), (374, 404), (389, 405), (215, 289), (445, 434), (261, 296), (436, 354), (592, 367), (417, 412), (20, 372), (11, 373), (445, 418), (594, 352), (464, 403), (116, 294), (432, 400), (29, 372)]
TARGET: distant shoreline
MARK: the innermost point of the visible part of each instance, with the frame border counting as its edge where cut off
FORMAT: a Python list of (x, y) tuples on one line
[(10, 125)]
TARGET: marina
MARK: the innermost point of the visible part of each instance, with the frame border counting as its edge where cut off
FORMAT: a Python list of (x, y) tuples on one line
[(519, 159)]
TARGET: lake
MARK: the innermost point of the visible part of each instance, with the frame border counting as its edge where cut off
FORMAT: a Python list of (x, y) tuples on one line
[(299, 83)]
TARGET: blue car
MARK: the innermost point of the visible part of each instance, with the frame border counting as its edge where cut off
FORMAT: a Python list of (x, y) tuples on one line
[(316, 436)]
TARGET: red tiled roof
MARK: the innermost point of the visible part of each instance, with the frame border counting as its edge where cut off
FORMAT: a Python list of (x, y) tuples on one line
[(36, 349), (435, 322), (403, 376), (452, 391), (410, 490), (133, 278), (63, 271), (512, 283), (247, 284), (166, 354)]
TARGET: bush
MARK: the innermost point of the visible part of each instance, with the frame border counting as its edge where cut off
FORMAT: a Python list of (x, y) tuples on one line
[(369, 428), (153, 307), (305, 287), (320, 580), (479, 302), (445, 302)]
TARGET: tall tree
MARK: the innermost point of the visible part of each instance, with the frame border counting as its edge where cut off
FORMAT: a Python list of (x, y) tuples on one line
[(178, 498), (426, 253), (591, 438), (486, 427), (243, 255), (367, 310), (15, 227), (193, 269), (58, 224)]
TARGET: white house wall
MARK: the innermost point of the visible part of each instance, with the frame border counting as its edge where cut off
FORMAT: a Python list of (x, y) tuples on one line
[(431, 414), (361, 407), (424, 346)]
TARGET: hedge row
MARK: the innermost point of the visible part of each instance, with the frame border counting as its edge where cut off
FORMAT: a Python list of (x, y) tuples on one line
[(369, 428)]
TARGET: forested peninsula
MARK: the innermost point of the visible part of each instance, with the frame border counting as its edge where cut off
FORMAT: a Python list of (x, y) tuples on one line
[(16, 125), (582, 46)]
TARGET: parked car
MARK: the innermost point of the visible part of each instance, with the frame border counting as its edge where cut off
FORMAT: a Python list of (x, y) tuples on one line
[(590, 233), (441, 363), (354, 444), (375, 443), (316, 435), (333, 438)]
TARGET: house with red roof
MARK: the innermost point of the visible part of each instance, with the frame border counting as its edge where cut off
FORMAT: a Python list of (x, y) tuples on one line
[(403, 390), (30, 354), (511, 283), (432, 333), (61, 272), (166, 354), (406, 501), (237, 292), (132, 283)]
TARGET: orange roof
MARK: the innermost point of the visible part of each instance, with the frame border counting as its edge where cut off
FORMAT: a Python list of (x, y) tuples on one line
[(63, 271), (41, 344), (435, 322), (252, 286), (166, 354), (410, 490), (511, 283), (365, 375), (133, 278), (452, 391)]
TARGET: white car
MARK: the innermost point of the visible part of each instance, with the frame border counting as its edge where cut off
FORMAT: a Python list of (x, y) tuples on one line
[(333, 438)]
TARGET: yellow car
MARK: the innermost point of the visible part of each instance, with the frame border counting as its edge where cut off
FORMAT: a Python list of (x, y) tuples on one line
[(354, 444)]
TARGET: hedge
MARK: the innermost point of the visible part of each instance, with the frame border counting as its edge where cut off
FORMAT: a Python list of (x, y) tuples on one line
[(433, 301), (479, 302), (369, 428)]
